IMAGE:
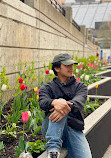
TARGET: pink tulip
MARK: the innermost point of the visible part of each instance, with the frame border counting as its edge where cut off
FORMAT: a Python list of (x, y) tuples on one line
[(97, 66), (88, 64), (78, 79), (25, 116), (38, 91)]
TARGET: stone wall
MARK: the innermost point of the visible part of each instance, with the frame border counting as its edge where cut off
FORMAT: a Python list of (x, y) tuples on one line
[(36, 32)]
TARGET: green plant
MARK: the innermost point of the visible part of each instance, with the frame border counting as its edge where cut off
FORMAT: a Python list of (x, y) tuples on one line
[(28, 74), (36, 147), (1, 107), (22, 146), (4, 80), (37, 115), (1, 143), (91, 106), (1, 146), (10, 131), (19, 104), (35, 120)]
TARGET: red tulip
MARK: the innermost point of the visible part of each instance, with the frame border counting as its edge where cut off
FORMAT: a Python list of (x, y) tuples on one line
[(20, 80), (25, 116), (47, 71), (22, 87)]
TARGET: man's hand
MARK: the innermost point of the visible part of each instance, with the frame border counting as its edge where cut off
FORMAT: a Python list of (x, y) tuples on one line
[(61, 106), (56, 116)]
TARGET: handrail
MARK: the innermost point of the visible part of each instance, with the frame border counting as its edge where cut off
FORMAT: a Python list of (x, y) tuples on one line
[(22, 1), (76, 25), (58, 6)]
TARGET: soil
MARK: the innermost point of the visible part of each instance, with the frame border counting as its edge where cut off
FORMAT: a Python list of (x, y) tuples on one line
[(9, 144)]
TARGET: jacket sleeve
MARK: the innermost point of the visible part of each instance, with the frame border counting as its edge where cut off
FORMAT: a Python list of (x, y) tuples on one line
[(80, 97), (45, 98)]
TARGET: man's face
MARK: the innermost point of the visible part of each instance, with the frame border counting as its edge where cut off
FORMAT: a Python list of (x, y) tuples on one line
[(65, 70)]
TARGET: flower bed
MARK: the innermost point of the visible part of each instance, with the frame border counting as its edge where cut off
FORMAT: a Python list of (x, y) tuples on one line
[(104, 87), (106, 73), (10, 142)]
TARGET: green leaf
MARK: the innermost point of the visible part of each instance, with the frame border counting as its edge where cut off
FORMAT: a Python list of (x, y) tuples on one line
[(1, 107), (21, 146), (27, 145), (1, 146), (0, 131)]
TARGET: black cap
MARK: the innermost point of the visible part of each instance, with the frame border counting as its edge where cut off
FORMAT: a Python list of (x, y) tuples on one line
[(65, 59)]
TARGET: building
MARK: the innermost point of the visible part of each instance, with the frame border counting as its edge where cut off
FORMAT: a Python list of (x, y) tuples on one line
[(96, 16)]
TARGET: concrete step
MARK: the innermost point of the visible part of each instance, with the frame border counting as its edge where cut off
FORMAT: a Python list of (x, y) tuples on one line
[(62, 155), (107, 153)]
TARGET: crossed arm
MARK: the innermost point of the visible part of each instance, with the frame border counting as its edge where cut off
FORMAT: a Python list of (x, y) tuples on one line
[(59, 110)]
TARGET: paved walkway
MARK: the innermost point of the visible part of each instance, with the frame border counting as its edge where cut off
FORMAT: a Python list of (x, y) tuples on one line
[(107, 153)]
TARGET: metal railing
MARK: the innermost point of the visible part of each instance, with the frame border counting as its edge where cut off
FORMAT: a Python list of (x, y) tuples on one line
[(76, 25), (22, 1), (58, 6)]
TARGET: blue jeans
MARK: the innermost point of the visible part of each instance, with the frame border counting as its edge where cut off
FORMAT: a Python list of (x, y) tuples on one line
[(59, 134)]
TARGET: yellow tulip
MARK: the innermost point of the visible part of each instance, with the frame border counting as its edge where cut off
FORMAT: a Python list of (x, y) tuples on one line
[(37, 97), (96, 86), (35, 78), (35, 89)]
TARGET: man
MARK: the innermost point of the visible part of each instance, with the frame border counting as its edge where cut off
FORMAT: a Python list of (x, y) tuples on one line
[(63, 100)]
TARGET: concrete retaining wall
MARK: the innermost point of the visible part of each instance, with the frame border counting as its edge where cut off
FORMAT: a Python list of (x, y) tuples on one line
[(104, 87), (36, 34), (98, 129), (106, 73)]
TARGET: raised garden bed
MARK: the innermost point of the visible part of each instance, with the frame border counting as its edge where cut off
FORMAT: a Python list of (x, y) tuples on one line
[(106, 73), (98, 129), (11, 143), (104, 87), (97, 124), (103, 91)]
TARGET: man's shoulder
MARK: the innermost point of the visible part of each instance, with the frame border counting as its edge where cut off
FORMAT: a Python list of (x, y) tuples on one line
[(48, 84), (80, 84)]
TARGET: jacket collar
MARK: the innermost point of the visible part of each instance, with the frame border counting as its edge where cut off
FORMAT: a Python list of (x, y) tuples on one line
[(69, 82)]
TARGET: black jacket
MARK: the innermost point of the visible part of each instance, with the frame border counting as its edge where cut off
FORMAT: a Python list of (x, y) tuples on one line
[(73, 91)]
